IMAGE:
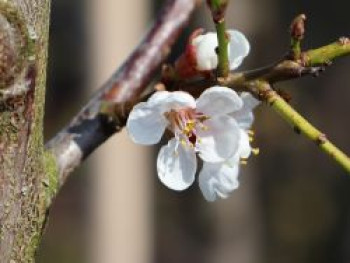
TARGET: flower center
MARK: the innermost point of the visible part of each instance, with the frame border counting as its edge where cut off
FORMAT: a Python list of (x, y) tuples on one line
[(185, 124)]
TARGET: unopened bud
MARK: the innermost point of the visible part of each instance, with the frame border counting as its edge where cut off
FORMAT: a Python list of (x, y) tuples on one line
[(297, 28), (186, 64)]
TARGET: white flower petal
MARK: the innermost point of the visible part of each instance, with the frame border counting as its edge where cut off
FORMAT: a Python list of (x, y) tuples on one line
[(244, 145), (205, 50), (218, 101), (165, 101), (145, 125), (205, 45), (178, 100), (239, 48), (249, 101), (244, 119), (220, 141), (158, 98), (176, 165), (218, 180), (245, 116)]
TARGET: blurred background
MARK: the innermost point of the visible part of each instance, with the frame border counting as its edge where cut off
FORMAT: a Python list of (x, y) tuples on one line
[(293, 201)]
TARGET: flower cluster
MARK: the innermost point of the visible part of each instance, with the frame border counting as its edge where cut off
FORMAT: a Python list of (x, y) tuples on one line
[(213, 127)]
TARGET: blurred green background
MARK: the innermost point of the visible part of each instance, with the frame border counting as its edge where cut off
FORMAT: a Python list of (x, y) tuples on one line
[(293, 201)]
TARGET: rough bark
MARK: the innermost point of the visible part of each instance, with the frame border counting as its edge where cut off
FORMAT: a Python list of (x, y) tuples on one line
[(23, 180)]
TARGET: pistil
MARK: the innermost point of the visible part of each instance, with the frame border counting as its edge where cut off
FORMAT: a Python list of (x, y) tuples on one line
[(184, 123)]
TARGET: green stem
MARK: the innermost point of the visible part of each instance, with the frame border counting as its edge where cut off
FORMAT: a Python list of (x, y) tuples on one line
[(301, 125), (218, 9), (326, 54), (223, 62), (295, 47)]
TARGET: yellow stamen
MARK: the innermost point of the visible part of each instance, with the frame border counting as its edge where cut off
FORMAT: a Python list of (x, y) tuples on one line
[(190, 125), (243, 162), (256, 151), (251, 132)]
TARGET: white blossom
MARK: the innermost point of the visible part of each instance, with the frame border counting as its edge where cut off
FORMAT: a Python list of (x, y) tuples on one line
[(206, 44), (214, 127), (220, 179), (203, 126)]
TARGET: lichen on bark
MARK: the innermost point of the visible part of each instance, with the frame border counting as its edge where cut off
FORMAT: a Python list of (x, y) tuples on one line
[(23, 174)]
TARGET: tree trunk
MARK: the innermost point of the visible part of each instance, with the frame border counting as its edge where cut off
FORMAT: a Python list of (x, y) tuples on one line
[(25, 185)]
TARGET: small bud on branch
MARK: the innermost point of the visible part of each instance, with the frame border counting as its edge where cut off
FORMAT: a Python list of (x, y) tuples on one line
[(297, 28), (297, 32)]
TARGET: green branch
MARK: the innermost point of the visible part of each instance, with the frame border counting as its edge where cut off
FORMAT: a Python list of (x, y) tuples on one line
[(218, 8), (300, 124), (259, 81), (325, 54), (223, 62), (311, 63)]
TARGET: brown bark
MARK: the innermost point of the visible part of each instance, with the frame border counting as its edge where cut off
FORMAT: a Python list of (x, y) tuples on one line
[(23, 180)]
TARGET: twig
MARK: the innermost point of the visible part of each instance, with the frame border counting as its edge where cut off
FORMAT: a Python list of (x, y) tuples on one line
[(324, 55), (311, 63), (260, 82), (299, 123), (89, 129), (218, 9)]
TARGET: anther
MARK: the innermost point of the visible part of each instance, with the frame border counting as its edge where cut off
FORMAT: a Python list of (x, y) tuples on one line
[(255, 151), (243, 162)]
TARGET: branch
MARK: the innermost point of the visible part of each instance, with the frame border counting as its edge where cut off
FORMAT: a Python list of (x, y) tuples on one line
[(223, 63), (324, 55), (218, 9), (312, 63), (92, 126), (89, 129), (260, 81), (299, 123)]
